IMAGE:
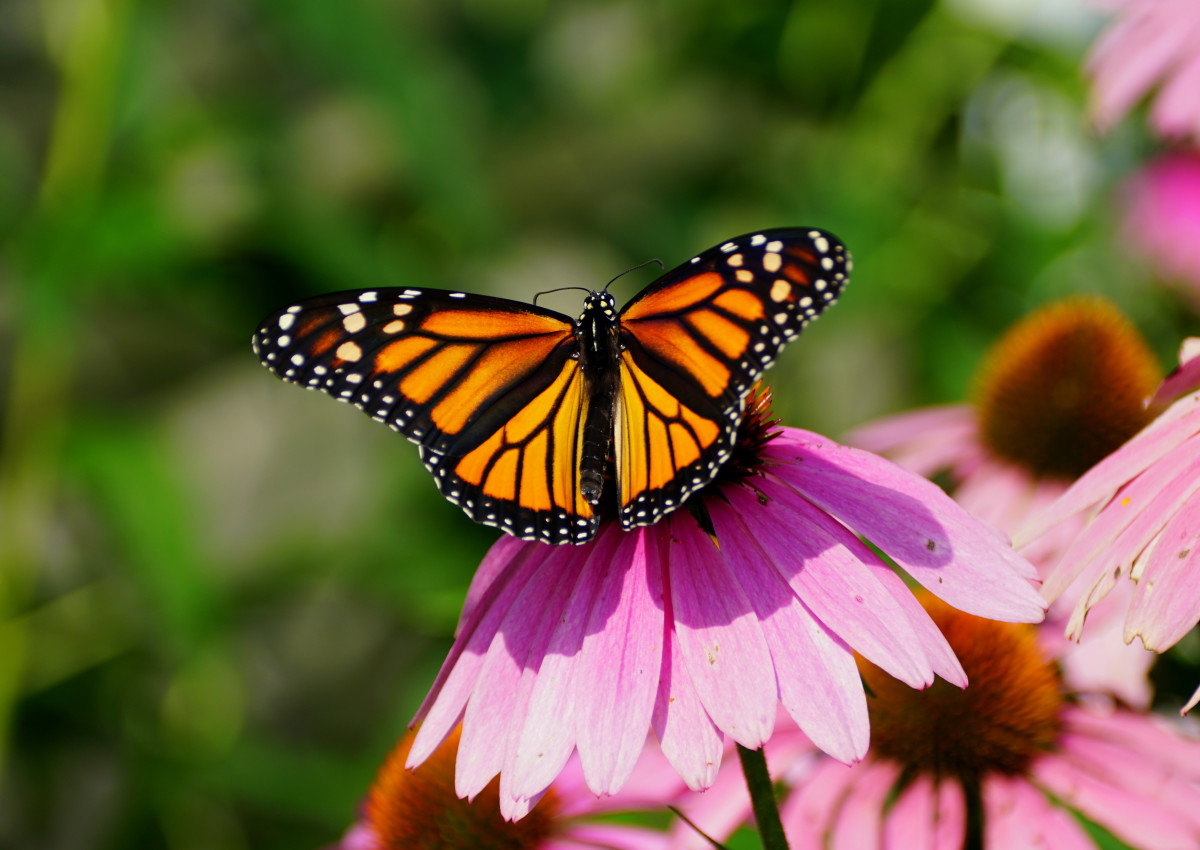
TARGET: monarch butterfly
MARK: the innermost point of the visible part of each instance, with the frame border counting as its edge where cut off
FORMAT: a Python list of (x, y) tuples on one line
[(516, 408)]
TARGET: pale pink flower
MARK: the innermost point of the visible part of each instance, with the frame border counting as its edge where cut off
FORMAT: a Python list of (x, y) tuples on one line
[(1147, 526), (1151, 44), (586, 648), (1034, 759), (419, 808), (1162, 218)]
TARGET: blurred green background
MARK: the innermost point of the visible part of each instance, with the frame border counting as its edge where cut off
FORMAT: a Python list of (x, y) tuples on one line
[(221, 597)]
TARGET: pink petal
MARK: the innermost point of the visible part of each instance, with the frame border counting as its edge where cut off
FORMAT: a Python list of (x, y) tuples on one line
[(1191, 703), (496, 709), (720, 638), (688, 737), (547, 732), (1130, 521), (860, 821), (1185, 379), (611, 836), (924, 820), (1176, 424), (1176, 112), (1147, 742), (1018, 815), (443, 706), (824, 566), (924, 441), (1127, 60), (716, 812), (1137, 819), (620, 663), (1166, 604), (811, 809), (501, 558), (819, 684), (947, 551)]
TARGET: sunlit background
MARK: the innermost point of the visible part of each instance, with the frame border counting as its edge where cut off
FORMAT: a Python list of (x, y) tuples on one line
[(222, 597)]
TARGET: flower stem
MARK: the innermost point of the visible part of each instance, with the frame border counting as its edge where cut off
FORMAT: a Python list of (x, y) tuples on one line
[(762, 799)]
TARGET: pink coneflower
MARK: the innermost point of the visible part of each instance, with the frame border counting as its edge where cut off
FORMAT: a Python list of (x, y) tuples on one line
[(1151, 44), (418, 810), (1058, 392), (1148, 523), (700, 628), (1162, 218), (1009, 762)]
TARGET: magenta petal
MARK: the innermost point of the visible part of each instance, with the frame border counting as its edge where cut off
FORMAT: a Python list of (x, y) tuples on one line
[(443, 706), (823, 563), (819, 684), (923, 818), (949, 552), (1166, 604), (1176, 424), (689, 740), (496, 709), (720, 638), (620, 662)]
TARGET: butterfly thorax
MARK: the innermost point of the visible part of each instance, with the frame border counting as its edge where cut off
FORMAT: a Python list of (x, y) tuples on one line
[(596, 333)]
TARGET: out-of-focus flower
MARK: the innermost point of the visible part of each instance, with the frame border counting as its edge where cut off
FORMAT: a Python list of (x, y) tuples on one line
[(1148, 524), (1162, 218), (1062, 389), (418, 809), (1058, 392), (1151, 44), (1009, 762), (755, 595)]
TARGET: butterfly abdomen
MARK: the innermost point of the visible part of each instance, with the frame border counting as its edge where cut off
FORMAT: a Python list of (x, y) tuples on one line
[(599, 355)]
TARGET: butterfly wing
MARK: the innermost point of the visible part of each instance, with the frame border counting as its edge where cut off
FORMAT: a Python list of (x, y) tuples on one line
[(490, 390), (695, 341)]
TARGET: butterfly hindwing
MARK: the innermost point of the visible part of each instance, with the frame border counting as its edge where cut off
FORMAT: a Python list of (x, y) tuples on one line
[(488, 388), (695, 341)]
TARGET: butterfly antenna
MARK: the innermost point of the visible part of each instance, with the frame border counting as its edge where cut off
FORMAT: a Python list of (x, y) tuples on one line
[(635, 268), (560, 289)]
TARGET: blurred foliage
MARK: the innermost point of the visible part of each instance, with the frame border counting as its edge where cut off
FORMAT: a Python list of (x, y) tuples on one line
[(222, 598)]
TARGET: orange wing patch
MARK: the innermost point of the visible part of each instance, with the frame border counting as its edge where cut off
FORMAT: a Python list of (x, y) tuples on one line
[(489, 325), (533, 459), (674, 299), (656, 435)]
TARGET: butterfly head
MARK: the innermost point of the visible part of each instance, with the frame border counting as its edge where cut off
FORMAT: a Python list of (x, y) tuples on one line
[(599, 302)]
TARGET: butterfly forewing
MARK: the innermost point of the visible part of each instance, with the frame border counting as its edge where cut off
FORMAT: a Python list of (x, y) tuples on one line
[(488, 388), (695, 341)]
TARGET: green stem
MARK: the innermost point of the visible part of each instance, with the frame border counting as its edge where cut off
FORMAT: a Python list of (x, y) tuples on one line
[(762, 799)]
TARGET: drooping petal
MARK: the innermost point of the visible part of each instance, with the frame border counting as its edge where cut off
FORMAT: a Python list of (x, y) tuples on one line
[(824, 566), (1166, 604), (496, 709), (927, 819), (620, 662), (819, 684), (949, 552), (809, 812), (444, 705), (685, 732), (859, 825), (1018, 815), (1176, 424), (1135, 515), (1186, 378), (547, 733), (720, 638), (923, 441)]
